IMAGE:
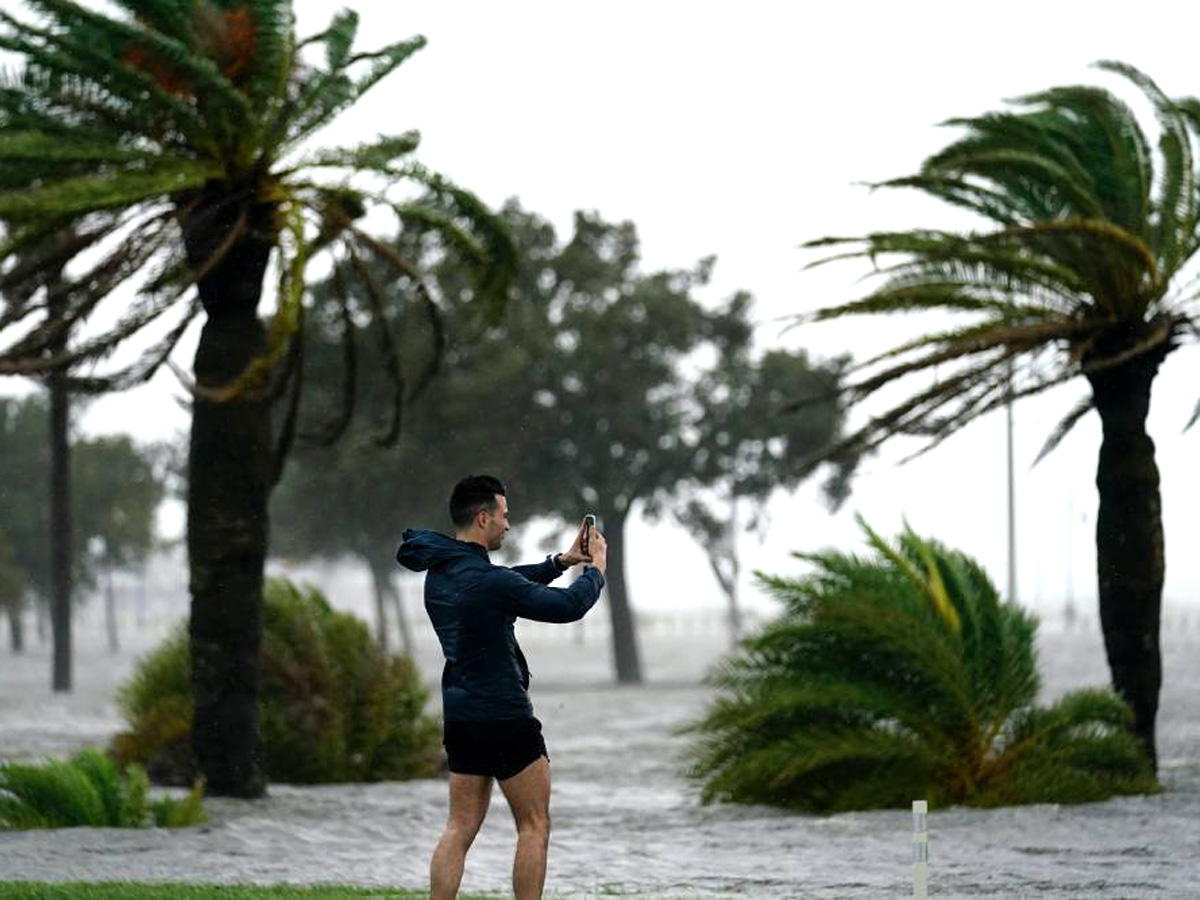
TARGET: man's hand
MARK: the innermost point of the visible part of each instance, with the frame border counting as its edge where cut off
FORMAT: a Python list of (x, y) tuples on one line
[(597, 547), (575, 554)]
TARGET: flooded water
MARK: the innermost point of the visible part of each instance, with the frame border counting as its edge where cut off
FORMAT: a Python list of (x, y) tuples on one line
[(625, 822)]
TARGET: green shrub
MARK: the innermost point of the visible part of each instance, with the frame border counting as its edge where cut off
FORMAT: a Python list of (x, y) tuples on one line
[(333, 706), (903, 677), (87, 790)]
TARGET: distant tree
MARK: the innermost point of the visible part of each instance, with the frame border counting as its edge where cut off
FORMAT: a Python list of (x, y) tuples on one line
[(607, 427), (751, 442), (14, 582), (580, 400), (1083, 270), (117, 488), (124, 486), (46, 261), (354, 498)]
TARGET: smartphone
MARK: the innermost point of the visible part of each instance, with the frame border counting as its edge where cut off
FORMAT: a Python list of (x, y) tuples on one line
[(589, 522)]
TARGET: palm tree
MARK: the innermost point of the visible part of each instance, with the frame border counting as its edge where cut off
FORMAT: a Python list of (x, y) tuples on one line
[(174, 140), (902, 676), (1080, 272)]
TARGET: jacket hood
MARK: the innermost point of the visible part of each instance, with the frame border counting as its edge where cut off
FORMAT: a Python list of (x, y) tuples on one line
[(423, 549)]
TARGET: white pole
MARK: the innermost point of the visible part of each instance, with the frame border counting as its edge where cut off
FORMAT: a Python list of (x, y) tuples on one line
[(920, 850)]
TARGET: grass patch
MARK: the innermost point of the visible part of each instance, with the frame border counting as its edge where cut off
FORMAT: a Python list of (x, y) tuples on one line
[(34, 890)]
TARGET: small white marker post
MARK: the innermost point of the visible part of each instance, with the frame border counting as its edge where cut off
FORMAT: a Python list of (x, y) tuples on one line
[(920, 851)]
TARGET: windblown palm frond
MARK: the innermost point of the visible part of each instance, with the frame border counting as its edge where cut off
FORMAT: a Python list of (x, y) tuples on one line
[(129, 129), (901, 676), (1083, 266)]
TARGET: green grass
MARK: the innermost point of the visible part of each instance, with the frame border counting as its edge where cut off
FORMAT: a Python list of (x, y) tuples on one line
[(33, 890)]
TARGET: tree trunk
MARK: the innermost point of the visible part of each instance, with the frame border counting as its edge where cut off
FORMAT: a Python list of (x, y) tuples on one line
[(229, 467), (110, 613), (397, 594), (379, 582), (735, 570), (16, 626), (1129, 540), (141, 597), (39, 619), (626, 658), (61, 535)]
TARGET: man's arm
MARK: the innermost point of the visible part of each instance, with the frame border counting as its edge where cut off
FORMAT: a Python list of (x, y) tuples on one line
[(543, 573), (519, 596)]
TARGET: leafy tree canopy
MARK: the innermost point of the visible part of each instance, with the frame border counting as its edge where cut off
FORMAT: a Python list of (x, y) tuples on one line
[(117, 488)]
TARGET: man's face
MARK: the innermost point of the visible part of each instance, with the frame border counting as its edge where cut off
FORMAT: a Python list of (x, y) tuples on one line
[(496, 524)]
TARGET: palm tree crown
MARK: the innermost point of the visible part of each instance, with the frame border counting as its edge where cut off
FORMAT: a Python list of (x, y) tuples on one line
[(137, 128), (901, 675), (1079, 271)]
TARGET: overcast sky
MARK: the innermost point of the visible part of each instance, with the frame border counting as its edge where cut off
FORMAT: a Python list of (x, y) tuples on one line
[(742, 130)]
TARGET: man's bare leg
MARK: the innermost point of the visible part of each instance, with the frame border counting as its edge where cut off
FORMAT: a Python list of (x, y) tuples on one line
[(528, 795), (469, 798)]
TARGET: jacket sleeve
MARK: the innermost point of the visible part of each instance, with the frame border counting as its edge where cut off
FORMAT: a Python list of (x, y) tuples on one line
[(518, 596), (543, 573)]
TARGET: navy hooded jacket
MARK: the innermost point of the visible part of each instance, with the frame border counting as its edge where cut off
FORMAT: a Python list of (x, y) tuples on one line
[(473, 605)]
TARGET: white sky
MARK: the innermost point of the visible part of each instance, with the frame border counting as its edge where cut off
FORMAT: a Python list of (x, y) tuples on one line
[(742, 130)]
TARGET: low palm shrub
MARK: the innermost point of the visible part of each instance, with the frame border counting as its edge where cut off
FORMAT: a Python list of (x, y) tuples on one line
[(333, 706), (87, 790), (902, 676)]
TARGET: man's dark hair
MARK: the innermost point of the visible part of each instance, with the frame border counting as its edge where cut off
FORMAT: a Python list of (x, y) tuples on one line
[(473, 493)]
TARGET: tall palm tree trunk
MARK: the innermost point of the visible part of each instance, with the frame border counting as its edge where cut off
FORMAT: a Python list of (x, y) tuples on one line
[(1129, 540), (229, 464), (626, 657), (62, 529)]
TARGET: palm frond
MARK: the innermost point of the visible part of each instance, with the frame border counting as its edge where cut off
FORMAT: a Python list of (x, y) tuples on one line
[(379, 155), (90, 193), (330, 92), (201, 74)]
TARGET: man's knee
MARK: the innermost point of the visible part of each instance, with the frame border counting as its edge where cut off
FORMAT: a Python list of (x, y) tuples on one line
[(461, 834), (535, 823)]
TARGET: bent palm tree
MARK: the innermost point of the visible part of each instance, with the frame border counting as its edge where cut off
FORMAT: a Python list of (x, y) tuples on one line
[(173, 141), (1081, 274), (904, 676)]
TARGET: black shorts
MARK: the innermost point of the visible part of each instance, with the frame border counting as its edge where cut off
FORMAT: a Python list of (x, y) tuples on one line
[(498, 749)]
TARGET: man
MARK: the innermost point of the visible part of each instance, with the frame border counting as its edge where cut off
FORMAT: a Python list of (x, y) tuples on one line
[(490, 729)]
